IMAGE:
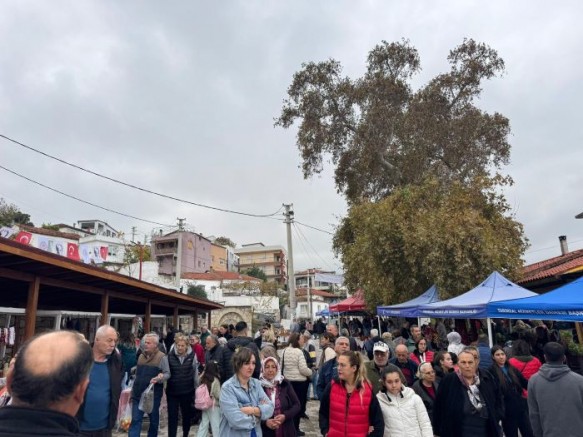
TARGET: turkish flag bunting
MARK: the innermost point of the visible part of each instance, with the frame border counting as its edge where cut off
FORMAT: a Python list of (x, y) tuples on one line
[(73, 251), (103, 252), (24, 237)]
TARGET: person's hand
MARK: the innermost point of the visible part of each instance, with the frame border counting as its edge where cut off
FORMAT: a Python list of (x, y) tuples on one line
[(272, 423), (280, 419), (250, 411)]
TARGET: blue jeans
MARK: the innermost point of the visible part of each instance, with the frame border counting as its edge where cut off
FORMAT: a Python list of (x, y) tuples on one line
[(138, 415), (313, 384)]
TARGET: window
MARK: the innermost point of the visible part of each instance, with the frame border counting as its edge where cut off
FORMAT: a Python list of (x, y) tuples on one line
[(199, 263)]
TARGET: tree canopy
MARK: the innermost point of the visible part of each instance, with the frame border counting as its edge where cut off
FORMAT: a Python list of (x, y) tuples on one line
[(421, 169), (381, 134), (225, 241), (197, 291), (426, 234), (256, 272), (10, 214)]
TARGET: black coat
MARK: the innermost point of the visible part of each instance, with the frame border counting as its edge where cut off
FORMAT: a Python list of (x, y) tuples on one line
[(428, 401), (115, 370), (290, 408), (449, 405), (514, 403), (20, 421)]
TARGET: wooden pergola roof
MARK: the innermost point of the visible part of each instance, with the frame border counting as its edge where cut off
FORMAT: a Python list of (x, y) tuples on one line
[(65, 284)]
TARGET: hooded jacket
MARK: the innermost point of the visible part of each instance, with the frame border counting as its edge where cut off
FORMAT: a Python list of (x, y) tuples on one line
[(555, 401), (455, 342), (232, 345), (404, 415)]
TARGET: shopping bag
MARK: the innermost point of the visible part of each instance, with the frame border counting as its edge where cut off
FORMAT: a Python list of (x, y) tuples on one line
[(147, 400), (125, 420)]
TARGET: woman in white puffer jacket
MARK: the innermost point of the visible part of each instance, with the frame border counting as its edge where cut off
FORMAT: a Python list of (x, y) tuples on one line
[(403, 410)]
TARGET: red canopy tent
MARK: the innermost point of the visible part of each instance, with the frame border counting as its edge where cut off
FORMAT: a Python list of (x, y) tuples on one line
[(353, 303)]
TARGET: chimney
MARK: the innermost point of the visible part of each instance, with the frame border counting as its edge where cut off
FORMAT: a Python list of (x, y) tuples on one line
[(563, 242)]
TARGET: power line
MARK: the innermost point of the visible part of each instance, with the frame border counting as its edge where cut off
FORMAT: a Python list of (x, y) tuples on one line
[(315, 228), (299, 231), (145, 190), (81, 200)]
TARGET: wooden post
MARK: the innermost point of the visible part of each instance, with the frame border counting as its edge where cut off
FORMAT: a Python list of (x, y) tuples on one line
[(579, 332), (31, 307), (147, 317), (105, 308), (195, 321), (175, 319), (208, 323)]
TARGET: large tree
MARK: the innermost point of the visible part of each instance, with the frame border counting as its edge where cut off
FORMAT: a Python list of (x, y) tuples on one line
[(381, 134), (429, 234), (420, 169)]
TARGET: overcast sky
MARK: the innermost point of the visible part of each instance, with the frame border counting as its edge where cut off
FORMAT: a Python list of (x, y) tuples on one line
[(180, 98)]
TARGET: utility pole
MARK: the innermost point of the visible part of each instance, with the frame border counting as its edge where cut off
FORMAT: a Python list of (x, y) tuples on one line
[(133, 233), (291, 283), (179, 253)]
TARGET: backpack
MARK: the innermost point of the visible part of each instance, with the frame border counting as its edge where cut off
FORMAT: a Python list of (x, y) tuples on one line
[(202, 398)]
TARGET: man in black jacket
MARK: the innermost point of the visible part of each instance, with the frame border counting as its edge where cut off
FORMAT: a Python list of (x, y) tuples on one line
[(241, 339), (47, 385), (98, 413)]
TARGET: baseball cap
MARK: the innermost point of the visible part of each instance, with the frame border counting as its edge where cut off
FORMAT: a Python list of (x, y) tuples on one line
[(380, 346)]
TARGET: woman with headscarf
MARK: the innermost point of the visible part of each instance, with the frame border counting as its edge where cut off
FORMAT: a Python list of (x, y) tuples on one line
[(455, 343), (282, 396)]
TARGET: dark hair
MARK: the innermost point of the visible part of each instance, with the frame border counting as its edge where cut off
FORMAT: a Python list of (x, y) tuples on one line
[(512, 373), (240, 357), (240, 326), (416, 350), (224, 325), (329, 336), (211, 371), (438, 358), (554, 352), (294, 340), (521, 348), (40, 391), (391, 368)]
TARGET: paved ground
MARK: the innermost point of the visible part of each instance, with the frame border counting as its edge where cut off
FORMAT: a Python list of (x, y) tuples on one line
[(310, 427)]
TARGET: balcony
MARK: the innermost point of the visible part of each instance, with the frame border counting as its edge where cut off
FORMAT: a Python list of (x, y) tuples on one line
[(165, 251)]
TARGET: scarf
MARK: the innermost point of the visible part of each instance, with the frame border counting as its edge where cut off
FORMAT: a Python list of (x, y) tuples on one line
[(473, 391), (278, 377)]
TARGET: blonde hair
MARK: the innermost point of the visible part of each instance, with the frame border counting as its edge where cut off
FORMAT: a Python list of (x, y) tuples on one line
[(360, 378), (268, 336)]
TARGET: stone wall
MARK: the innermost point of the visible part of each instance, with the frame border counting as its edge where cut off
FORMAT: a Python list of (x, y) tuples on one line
[(231, 315)]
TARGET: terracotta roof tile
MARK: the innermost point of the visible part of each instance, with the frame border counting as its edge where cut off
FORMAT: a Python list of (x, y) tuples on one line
[(49, 232), (219, 276), (552, 266), (314, 292)]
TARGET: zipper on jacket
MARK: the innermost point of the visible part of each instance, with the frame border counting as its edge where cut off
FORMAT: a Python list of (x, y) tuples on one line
[(346, 406)]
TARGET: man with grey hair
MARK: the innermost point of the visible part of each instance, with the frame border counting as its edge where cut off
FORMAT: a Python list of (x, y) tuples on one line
[(330, 369), (98, 413), (47, 384), (375, 367), (152, 368), (332, 329), (214, 351)]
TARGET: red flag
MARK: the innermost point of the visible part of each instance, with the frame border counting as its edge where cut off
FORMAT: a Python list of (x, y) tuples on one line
[(73, 251), (103, 252), (24, 237)]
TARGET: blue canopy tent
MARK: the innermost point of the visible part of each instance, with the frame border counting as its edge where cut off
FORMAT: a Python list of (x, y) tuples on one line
[(564, 303), (410, 308), (324, 313), (473, 303)]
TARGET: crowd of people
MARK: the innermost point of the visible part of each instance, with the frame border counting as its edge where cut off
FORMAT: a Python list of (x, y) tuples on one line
[(414, 381)]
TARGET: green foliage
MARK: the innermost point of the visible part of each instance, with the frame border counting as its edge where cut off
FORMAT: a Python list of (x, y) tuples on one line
[(225, 241), (425, 234), (10, 215), (256, 272), (50, 226), (197, 291), (573, 349), (420, 169), (134, 251), (380, 134)]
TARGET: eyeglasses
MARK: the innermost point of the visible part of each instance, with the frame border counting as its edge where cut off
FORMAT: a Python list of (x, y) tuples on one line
[(431, 372)]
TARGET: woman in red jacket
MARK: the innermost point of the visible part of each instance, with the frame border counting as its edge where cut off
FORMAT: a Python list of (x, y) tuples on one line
[(348, 406), (421, 354), (523, 360)]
